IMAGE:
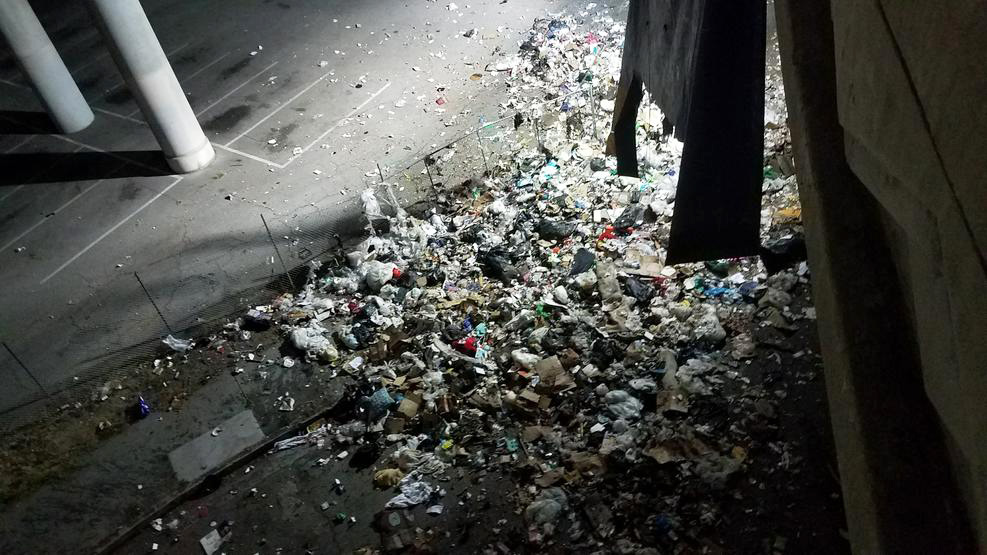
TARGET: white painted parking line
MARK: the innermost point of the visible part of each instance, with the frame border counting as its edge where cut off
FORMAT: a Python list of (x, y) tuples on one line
[(207, 66), (247, 155), (352, 113), (12, 191), (20, 144), (279, 108), (46, 218), (108, 153), (238, 87), (79, 39), (19, 187), (92, 61), (109, 231), (13, 84), (121, 116)]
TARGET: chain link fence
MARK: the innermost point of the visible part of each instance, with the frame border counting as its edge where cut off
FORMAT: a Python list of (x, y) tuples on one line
[(130, 316)]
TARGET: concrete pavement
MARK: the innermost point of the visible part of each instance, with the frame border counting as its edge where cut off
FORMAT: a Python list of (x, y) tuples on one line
[(277, 114)]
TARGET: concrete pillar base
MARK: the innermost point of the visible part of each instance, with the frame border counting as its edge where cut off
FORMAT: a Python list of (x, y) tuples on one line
[(152, 82), (194, 161)]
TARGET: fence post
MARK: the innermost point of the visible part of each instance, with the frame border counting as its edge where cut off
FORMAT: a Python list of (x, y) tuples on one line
[(278, 252), (592, 109), (36, 382), (390, 192), (482, 152), (154, 304), (431, 181)]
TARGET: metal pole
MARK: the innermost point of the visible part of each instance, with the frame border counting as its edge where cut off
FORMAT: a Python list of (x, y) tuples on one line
[(154, 304), (36, 382), (429, 172), (275, 245), (592, 108), (44, 67), (390, 192), (484, 154)]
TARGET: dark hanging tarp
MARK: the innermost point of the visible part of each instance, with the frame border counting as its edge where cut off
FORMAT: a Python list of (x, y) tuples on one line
[(703, 63)]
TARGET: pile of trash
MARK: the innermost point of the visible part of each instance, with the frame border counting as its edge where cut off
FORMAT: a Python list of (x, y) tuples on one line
[(528, 322)]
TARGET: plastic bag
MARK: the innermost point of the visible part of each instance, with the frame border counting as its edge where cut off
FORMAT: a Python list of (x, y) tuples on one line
[(176, 344), (582, 261), (623, 405)]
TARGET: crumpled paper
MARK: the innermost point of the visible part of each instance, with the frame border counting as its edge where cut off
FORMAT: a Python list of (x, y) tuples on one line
[(414, 491)]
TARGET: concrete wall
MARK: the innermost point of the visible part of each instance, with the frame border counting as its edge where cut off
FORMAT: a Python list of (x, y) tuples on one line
[(888, 110), (895, 91)]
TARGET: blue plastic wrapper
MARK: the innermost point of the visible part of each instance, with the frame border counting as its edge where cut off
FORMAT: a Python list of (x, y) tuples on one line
[(378, 403), (143, 408), (747, 288), (717, 291)]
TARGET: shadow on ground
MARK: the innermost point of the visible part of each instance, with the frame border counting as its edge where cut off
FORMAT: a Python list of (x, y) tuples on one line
[(54, 167)]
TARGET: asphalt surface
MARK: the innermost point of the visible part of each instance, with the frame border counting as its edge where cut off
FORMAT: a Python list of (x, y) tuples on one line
[(80, 214)]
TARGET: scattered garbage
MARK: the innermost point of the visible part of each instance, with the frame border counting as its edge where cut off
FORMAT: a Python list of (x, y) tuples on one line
[(622, 405), (547, 507), (527, 321), (214, 540), (388, 477)]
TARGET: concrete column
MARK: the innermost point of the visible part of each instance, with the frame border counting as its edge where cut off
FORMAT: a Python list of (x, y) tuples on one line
[(44, 67), (153, 84)]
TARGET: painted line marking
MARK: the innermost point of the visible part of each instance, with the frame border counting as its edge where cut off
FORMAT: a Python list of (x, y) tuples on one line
[(13, 84), (110, 154), (95, 149), (19, 187), (121, 116), (106, 52), (352, 113), (89, 33), (227, 95), (194, 74), (46, 218), (279, 108), (12, 191), (247, 155), (20, 144), (111, 230)]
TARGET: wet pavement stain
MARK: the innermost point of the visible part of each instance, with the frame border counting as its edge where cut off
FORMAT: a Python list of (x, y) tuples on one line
[(186, 59), (234, 69), (128, 192), (119, 96), (85, 84), (65, 33), (229, 118), (281, 135)]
